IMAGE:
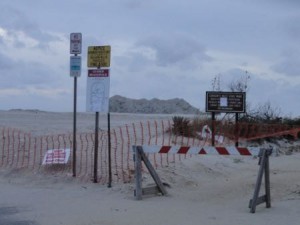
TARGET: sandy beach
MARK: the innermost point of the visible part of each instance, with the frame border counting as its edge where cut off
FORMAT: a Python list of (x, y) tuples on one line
[(201, 189)]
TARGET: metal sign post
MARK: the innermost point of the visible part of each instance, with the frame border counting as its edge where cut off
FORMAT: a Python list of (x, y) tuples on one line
[(109, 151), (96, 148), (75, 71), (97, 98), (74, 127)]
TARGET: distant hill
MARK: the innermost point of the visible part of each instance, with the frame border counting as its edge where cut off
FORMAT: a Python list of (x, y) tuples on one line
[(154, 106)]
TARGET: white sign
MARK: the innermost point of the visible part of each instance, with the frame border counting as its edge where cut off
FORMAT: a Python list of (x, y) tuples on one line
[(56, 156), (75, 43), (223, 102), (75, 66), (97, 96)]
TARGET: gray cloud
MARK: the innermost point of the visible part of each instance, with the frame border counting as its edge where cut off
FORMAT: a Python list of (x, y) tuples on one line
[(169, 57), (5, 63), (18, 74), (289, 64), (18, 21), (134, 62), (176, 49), (292, 27), (279, 93), (133, 4)]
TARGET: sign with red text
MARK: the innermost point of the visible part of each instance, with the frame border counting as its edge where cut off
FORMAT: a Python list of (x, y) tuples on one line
[(75, 43), (56, 156)]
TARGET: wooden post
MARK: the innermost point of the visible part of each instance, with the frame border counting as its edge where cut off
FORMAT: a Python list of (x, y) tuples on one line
[(267, 179), (138, 173), (263, 169), (152, 171), (213, 128), (139, 156), (236, 130)]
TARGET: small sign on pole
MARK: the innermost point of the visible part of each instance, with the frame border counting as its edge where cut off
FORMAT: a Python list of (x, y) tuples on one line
[(75, 43), (75, 66)]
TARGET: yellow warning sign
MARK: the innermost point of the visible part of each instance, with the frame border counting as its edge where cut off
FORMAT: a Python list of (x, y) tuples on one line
[(98, 56)]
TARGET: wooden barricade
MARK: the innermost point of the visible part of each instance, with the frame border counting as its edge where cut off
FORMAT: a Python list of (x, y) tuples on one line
[(139, 156), (263, 170), (262, 153)]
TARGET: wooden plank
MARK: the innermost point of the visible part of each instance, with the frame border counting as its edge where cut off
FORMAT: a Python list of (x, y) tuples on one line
[(258, 182), (259, 200), (151, 170), (267, 179), (150, 190), (263, 169), (138, 173)]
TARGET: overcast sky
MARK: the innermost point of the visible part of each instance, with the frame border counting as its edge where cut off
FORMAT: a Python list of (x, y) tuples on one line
[(160, 49)]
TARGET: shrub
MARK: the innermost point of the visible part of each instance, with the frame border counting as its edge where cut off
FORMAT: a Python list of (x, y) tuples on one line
[(292, 121), (182, 126)]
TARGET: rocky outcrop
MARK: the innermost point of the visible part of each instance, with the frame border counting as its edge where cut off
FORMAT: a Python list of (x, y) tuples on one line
[(154, 106)]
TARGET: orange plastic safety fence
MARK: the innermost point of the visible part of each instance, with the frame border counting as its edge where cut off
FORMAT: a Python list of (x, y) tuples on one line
[(19, 149)]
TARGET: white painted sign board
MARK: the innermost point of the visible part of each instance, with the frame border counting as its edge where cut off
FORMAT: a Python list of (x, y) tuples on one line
[(75, 43), (97, 96), (56, 156), (75, 66)]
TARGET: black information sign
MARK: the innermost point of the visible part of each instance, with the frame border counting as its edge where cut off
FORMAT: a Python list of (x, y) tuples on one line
[(230, 102)]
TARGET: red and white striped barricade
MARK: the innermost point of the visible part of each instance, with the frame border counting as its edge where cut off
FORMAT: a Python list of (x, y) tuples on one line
[(263, 154), (206, 150)]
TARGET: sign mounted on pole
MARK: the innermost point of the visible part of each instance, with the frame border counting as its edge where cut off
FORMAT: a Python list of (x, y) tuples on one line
[(230, 102), (97, 97), (75, 66), (75, 43), (98, 56)]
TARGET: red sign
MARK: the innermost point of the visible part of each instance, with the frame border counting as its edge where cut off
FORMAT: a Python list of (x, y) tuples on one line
[(98, 73), (56, 156)]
